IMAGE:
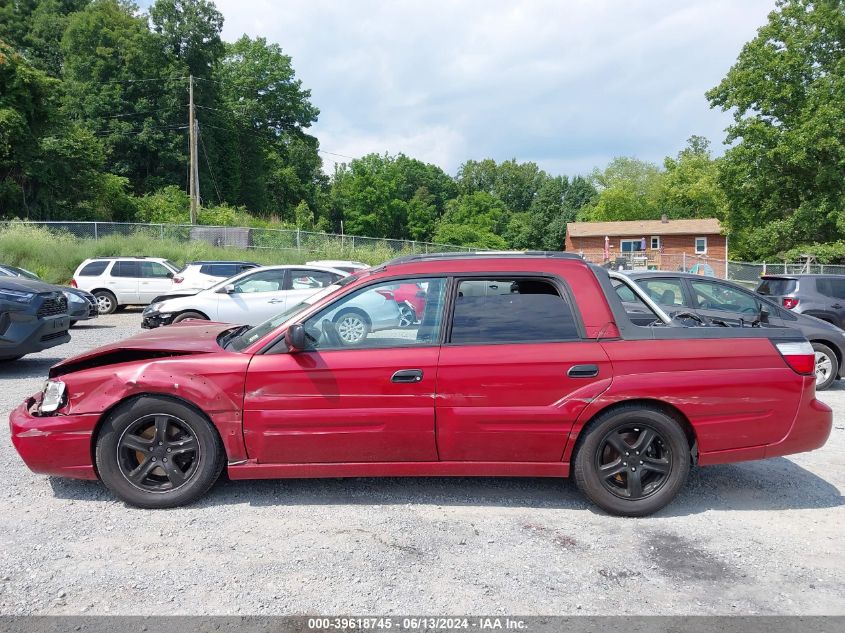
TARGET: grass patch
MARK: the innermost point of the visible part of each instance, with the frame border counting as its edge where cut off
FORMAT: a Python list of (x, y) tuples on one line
[(54, 255)]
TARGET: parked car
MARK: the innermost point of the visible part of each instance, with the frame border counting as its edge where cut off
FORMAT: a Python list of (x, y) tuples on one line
[(410, 298), (82, 305), (542, 375), (728, 302), (248, 298), (196, 276), (339, 264), (33, 317), (821, 296), (122, 281)]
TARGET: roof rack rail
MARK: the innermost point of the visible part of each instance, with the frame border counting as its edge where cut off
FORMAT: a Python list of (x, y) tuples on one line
[(405, 259)]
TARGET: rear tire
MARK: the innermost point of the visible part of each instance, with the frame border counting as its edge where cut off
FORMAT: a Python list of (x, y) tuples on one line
[(155, 452), (632, 460), (189, 315), (827, 366), (106, 302)]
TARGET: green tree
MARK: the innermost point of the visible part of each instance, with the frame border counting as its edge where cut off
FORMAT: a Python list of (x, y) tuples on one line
[(48, 167), (690, 185), (279, 166), (783, 174), (515, 184), (628, 189), (475, 219)]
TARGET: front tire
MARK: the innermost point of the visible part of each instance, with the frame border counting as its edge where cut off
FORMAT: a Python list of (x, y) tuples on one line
[(189, 315), (155, 452), (827, 366), (106, 302), (632, 461)]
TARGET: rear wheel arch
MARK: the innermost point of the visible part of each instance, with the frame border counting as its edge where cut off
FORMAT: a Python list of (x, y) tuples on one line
[(833, 348), (641, 403), (108, 412)]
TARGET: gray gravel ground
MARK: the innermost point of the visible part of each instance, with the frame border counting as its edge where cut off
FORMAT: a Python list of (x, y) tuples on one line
[(762, 537)]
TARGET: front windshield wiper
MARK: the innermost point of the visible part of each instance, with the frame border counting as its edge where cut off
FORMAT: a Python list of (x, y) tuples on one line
[(231, 334)]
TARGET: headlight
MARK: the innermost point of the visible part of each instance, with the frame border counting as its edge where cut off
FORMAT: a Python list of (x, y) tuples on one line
[(72, 298), (153, 307), (17, 296), (53, 396)]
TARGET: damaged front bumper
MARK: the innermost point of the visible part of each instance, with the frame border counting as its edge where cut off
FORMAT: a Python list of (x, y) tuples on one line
[(55, 444)]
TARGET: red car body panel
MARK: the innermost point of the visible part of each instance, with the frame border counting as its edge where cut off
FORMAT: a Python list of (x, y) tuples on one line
[(488, 409), (409, 293)]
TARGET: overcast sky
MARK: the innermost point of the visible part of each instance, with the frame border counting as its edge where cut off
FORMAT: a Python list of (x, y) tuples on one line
[(569, 83)]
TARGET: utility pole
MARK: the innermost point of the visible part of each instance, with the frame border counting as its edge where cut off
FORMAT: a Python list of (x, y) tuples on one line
[(192, 138)]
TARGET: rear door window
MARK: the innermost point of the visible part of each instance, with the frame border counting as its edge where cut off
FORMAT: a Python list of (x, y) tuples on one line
[(511, 310), (126, 269), (94, 269), (154, 270), (303, 279), (831, 287)]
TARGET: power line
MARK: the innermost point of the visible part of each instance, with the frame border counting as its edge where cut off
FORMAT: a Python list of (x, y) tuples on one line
[(210, 170), (173, 128)]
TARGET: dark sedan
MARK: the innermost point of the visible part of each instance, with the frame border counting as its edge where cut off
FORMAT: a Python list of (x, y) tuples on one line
[(720, 300)]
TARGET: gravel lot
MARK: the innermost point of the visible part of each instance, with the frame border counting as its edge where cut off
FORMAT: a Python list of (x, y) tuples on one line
[(756, 538)]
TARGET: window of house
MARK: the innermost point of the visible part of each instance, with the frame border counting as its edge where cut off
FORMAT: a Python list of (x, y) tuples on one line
[(511, 311), (655, 242), (700, 245), (631, 246)]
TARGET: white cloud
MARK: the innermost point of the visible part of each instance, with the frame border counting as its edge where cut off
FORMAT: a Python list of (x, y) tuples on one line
[(567, 84)]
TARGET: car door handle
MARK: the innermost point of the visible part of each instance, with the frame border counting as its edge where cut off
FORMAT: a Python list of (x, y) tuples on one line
[(583, 371), (407, 375), (836, 305), (276, 301)]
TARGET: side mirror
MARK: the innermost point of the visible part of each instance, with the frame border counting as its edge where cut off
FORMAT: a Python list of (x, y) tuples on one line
[(227, 289), (295, 337), (764, 314), (170, 275)]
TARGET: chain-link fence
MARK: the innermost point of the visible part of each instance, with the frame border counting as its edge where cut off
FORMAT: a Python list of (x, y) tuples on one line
[(743, 272), (244, 237)]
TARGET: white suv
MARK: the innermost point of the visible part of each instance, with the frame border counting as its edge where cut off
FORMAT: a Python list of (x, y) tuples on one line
[(120, 281), (201, 275)]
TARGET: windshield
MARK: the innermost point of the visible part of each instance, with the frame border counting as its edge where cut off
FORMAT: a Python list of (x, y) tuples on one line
[(776, 286), (248, 337)]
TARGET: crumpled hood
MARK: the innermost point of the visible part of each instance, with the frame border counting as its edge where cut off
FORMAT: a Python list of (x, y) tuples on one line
[(189, 337)]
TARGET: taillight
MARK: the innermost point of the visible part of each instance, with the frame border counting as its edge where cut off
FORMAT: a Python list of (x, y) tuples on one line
[(790, 302), (178, 280), (799, 355), (73, 283), (387, 294)]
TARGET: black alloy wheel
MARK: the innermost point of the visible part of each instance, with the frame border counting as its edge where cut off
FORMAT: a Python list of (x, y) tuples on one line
[(158, 452), (632, 460)]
